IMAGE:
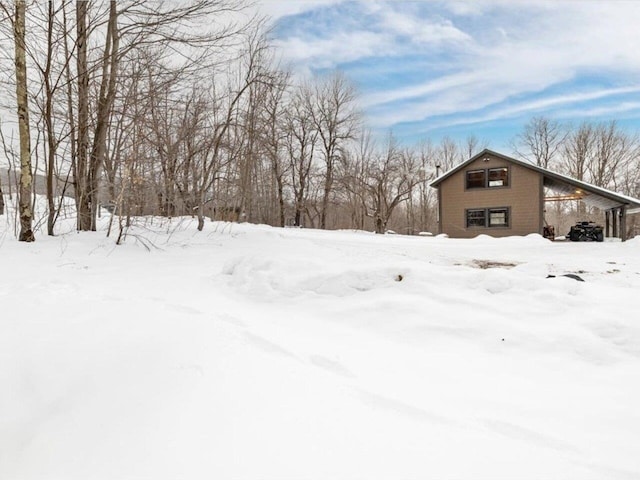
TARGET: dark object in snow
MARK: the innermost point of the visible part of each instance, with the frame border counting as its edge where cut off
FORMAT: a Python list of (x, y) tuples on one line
[(399, 278), (586, 232), (574, 276), (569, 275)]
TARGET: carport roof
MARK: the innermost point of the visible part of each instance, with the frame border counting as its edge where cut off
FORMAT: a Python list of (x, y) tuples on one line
[(562, 184)]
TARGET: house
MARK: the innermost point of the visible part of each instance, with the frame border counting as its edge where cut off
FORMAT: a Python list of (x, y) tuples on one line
[(497, 195)]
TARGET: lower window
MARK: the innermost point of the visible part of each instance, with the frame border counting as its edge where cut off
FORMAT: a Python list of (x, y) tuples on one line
[(488, 217), (476, 218), (498, 217)]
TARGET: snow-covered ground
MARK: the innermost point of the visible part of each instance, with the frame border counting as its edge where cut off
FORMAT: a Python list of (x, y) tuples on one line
[(250, 352)]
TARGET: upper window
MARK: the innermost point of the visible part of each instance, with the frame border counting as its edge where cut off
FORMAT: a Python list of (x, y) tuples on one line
[(498, 177), (492, 177), (476, 179)]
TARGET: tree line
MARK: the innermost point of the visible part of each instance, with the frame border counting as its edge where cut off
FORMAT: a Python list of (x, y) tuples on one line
[(182, 108), (600, 153)]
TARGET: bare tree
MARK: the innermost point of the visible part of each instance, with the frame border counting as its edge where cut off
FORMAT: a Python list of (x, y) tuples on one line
[(472, 145), (22, 103), (336, 119), (301, 144), (51, 63), (273, 134), (48, 119), (578, 150), (81, 164), (390, 175), (427, 195), (1, 198), (215, 151), (540, 142), (613, 151), (126, 27), (260, 167), (629, 178), (353, 176), (449, 154), (109, 73)]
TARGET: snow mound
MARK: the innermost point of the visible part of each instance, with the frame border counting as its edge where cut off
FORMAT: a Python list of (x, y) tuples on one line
[(256, 352), (532, 239), (635, 241), (264, 278)]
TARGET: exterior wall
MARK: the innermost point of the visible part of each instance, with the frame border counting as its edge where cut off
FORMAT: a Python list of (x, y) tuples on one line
[(523, 196)]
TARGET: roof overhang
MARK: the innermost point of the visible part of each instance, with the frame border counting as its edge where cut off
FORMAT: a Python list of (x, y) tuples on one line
[(567, 187), (589, 194)]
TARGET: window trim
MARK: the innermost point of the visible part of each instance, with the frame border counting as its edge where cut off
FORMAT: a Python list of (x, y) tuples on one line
[(506, 184), (487, 222), (486, 178), (507, 215), (484, 217)]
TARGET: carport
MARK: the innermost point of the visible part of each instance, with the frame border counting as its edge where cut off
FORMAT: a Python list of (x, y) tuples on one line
[(615, 206)]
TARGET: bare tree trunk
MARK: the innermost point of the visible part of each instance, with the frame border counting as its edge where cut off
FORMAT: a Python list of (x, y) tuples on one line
[(81, 171), (70, 111), (105, 102), (328, 184), (26, 179), (48, 119)]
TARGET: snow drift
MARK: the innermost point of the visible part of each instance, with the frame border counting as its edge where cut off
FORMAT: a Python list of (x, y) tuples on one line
[(247, 352)]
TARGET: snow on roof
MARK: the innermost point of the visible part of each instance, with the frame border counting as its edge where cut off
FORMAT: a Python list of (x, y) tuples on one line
[(558, 181)]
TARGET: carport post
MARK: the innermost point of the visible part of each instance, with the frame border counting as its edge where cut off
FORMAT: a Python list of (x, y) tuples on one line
[(623, 222), (614, 218), (607, 223)]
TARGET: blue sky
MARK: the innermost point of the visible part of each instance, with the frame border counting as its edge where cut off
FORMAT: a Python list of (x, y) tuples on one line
[(426, 69)]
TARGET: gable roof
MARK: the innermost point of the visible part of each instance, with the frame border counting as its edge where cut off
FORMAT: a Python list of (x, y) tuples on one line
[(590, 194)]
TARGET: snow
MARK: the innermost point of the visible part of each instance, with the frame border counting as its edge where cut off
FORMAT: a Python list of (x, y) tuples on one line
[(251, 352)]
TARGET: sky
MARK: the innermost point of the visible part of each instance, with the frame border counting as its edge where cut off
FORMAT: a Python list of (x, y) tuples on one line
[(428, 69)]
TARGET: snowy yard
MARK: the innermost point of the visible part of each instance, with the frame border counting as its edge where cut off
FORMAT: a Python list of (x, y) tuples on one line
[(250, 352)]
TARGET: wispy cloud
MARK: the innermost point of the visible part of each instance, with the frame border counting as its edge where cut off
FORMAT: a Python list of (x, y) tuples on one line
[(367, 30), (604, 110), (418, 30), (341, 48), (534, 107), (277, 9), (457, 63)]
